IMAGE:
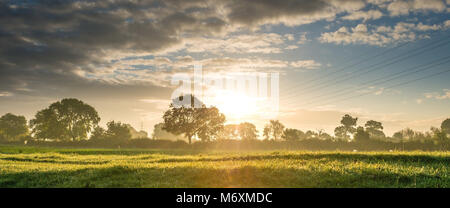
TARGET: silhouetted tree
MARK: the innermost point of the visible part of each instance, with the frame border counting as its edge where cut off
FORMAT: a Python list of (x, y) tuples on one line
[(361, 135), (266, 132), (340, 133), (66, 119), (210, 122), (441, 137), (98, 134), (321, 134), (229, 131), (12, 127), (375, 129), (206, 123), (117, 133), (445, 126), (311, 134), (348, 127), (137, 134), (293, 134), (273, 130), (160, 134), (247, 131)]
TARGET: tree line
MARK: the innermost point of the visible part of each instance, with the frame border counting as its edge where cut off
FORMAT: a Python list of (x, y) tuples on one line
[(72, 122)]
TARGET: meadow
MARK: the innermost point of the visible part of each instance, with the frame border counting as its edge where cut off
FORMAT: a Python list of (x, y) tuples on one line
[(52, 167)]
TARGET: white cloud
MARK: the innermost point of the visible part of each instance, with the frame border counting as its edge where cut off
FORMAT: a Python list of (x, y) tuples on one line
[(306, 64), (364, 15), (158, 71), (404, 7), (379, 35), (291, 47), (302, 39), (438, 95), (254, 43), (5, 94), (289, 36)]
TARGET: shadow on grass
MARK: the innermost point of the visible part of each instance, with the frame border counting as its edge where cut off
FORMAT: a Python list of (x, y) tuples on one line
[(246, 176), (329, 156), (42, 160)]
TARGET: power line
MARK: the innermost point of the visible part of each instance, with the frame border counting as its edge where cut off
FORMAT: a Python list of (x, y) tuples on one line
[(352, 65), (355, 64), (385, 79), (394, 60), (396, 85)]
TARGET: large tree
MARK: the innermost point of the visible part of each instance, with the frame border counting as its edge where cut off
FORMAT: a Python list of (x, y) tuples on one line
[(204, 122), (68, 119), (293, 134), (348, 127), (13, 127), (160, 134), (247, 131), (445, 126), (375, 129), (361, 135), (273, 130), (229, 131), (117, 133)]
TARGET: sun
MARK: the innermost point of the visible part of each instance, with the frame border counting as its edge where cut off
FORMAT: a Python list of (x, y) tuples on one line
[(234, 105)]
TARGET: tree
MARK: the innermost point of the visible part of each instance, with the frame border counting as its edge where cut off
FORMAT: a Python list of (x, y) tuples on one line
[(348, 127), (375, 129), (441, 137), (247, 131), (12, 127), (205, 123), (340, 133), (311, 134), (98, 134), (229, 131), (160, 134), (321, 134), (361, 135), (273, 130), (66, 119), (293, 134), (210, 123), (46, 125), (117, 133), (445, 126), (137, 134)]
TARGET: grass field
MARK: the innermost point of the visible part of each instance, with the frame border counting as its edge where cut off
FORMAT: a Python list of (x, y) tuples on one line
[(47, 167)]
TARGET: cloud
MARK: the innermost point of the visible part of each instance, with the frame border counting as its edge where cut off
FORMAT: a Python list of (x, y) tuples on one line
[(5, 94), (364, 15), (291, 47), (247, 43), (378, 35), (438, 95), (302, 39), (159, 70), (73, 45), (290, 12), (306, 64), (289, 36), (404, 7)]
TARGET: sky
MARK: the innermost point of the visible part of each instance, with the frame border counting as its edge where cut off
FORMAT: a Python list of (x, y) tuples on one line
[(384, 60)]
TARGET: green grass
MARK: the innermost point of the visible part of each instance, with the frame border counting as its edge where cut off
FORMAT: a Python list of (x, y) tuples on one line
[(49, 167)]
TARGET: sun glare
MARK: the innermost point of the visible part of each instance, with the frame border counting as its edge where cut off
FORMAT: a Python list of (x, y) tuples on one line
[(235, 105)]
